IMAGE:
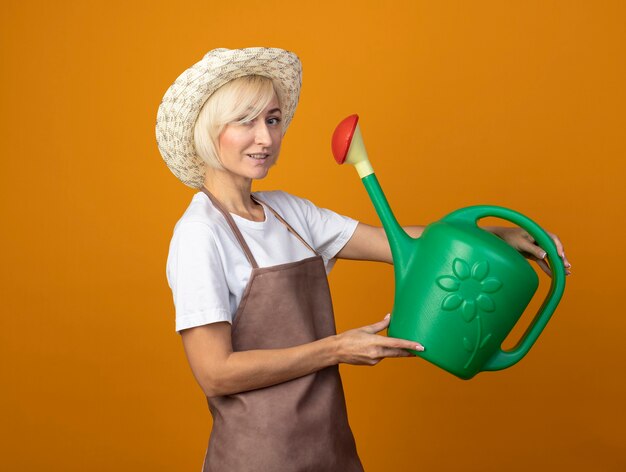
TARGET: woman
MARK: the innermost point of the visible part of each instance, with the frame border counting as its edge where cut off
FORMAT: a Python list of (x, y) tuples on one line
[(248, 272)]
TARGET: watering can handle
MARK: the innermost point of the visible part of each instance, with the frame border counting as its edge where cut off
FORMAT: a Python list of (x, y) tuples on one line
[(503, 359)]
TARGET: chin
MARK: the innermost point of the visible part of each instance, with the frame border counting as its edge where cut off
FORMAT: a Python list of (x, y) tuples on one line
[(260, 173), (260, 176)]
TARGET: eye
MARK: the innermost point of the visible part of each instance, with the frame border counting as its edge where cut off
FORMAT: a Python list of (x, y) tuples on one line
[(273, 121)]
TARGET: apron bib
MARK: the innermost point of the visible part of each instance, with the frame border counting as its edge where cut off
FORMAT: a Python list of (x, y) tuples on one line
[(295, 426)]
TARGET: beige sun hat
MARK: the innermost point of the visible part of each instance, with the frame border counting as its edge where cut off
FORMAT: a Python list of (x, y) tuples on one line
[(182, 102)]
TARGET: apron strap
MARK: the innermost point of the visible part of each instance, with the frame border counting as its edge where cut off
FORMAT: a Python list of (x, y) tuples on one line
[(287, 225), (233, 226)]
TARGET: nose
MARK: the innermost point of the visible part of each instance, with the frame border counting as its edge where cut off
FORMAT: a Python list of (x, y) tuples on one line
[(262, 134)]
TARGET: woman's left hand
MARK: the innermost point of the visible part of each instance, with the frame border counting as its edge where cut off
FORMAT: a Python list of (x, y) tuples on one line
[(523, 242)]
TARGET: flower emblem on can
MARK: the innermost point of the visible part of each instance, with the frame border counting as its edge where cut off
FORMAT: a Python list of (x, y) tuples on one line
[(470, 289)]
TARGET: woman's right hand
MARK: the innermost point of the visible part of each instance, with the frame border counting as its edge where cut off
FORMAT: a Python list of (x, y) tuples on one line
[(363, 346), (220, 371)]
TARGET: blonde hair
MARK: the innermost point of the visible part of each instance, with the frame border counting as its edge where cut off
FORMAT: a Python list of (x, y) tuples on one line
[(238, 101)]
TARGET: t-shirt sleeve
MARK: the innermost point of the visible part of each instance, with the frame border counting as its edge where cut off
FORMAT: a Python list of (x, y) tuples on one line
[(328, 230), (196, 276)]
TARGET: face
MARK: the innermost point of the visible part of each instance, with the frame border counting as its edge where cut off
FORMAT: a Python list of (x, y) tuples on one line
[(248, 150)]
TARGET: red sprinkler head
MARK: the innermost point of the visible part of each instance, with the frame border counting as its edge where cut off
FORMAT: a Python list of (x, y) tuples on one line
[(342, 138)]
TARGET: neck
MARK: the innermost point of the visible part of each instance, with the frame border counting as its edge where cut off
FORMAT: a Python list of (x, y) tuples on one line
[(233, 194)]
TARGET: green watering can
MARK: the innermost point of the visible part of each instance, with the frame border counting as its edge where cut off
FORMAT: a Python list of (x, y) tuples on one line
[(459, 290)]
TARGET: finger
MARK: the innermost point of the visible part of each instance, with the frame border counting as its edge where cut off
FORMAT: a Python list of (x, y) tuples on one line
[(561, 251), (544, 266), (566, 263), (388, 352), (559, 246), (526, 235), (533, 250), (377, 327), (397, 343)]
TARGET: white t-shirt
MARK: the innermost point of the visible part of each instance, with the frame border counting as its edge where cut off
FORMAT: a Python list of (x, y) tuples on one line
[(207, 269)]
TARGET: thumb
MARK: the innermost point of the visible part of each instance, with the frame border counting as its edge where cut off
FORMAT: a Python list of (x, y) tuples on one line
[(379, 326)]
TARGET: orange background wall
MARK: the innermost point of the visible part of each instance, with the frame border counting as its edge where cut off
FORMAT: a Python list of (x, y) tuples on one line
[(517, 103)]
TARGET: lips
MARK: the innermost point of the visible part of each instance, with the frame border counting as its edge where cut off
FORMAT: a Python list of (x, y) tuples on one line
[(259, 156)]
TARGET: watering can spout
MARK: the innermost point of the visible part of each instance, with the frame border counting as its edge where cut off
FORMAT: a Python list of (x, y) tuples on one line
[(348, 146)]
